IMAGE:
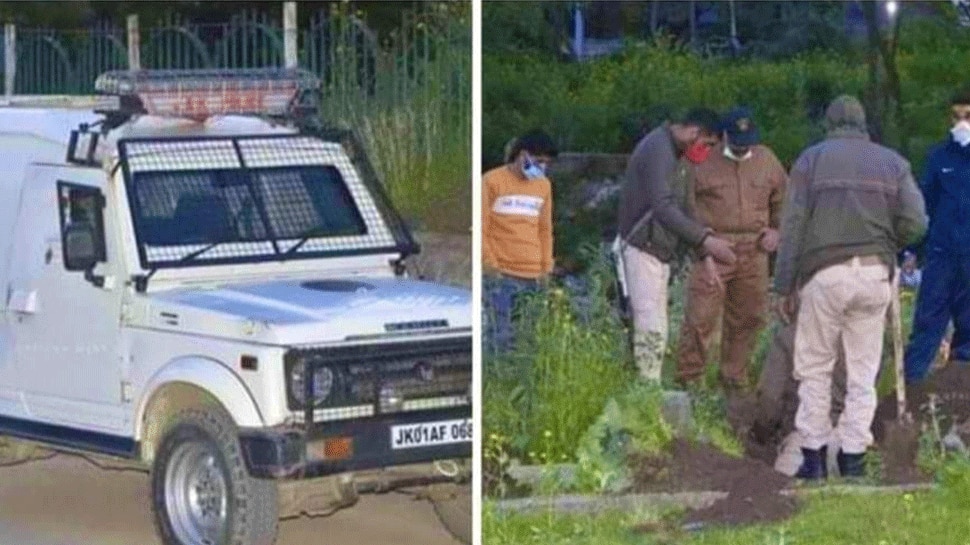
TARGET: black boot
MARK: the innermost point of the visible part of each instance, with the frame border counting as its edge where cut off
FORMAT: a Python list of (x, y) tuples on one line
[(851, 465), (814, 464)]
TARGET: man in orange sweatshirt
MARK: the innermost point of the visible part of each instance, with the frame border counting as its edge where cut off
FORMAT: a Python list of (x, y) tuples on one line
[(516, 233)]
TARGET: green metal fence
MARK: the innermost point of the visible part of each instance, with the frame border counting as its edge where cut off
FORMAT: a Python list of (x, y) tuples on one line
[(409, 94)]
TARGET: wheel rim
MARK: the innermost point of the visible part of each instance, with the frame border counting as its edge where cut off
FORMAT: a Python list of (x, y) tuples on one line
[(195, 495)]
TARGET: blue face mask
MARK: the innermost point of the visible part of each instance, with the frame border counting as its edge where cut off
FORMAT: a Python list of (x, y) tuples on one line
[(532, 170)]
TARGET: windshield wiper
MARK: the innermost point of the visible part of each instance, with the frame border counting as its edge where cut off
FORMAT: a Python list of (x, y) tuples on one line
[(196, 253), (304, 237), (141, 281)]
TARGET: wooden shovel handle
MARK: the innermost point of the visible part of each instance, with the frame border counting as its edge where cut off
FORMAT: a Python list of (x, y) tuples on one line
[(896, 322)]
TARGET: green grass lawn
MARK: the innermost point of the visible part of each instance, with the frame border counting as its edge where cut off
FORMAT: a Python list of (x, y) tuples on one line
[(930, 518), (539, 409)]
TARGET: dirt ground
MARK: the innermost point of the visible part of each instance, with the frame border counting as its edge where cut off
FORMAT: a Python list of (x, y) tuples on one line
[(753, 487), (67, 501), (444, 257), (952, 388), (897, 444)]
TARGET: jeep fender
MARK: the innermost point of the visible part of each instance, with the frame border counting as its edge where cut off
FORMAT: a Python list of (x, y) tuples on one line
[(210, 377)]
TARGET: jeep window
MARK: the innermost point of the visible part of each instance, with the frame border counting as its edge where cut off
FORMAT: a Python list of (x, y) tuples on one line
[(81, 213), (308, 199), (205, 207), (250, 199)]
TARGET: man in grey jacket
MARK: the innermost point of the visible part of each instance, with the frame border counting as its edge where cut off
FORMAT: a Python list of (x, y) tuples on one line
[(654, 227), (851, 206)]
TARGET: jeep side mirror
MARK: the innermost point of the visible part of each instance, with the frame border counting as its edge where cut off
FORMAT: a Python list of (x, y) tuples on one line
[(80, 247)]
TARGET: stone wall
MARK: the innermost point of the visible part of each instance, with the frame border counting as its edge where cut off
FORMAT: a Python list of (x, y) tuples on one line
[(590, 165)]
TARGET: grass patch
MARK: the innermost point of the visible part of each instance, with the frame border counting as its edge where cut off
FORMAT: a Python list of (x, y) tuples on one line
[(923, 518), (423, 153), (571, 357)]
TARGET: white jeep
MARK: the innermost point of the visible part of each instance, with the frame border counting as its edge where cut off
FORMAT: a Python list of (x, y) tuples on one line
[(204, 283)]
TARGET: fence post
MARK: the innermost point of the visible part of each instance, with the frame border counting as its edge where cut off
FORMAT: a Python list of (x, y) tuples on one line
[(289, 34), (9, 58), (134, 43)]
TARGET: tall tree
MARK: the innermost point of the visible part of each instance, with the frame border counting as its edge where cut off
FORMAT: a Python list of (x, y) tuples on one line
[(884, 93)]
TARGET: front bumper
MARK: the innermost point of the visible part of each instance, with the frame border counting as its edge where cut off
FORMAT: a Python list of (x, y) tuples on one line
[(296, 453)]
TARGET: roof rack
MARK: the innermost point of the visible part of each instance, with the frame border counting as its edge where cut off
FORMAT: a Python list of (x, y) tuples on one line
[(72, 102), (199, 94), (280, 93)]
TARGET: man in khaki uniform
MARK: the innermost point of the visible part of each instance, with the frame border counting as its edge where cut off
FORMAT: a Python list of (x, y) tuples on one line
[(738, 193), (851, 206)]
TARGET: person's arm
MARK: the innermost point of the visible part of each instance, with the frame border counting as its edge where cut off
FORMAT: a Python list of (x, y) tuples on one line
[(930, 186), (488, 198), (910, 220), (694, 253), (545, 231), (656, 176), (793, 223), (779, 182)]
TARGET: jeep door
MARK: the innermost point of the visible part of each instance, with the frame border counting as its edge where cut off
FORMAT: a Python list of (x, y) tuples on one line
[(67, 327)]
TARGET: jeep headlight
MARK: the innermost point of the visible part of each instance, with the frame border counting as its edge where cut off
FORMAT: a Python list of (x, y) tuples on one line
[(323, 384)]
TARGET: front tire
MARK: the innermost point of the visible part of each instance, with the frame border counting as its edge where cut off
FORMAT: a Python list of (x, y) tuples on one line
[(202, 493)]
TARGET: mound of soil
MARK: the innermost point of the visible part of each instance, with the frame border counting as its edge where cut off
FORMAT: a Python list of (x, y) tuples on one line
[(753, 487), (952, 388), (899, 443)]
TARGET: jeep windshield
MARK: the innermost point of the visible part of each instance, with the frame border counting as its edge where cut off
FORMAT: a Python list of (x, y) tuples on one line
[(238, 200)]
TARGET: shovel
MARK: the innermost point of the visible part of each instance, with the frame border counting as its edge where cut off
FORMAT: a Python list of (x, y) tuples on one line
[(902, 435)]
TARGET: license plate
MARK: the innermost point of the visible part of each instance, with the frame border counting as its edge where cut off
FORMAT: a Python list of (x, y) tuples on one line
[(428, 434)]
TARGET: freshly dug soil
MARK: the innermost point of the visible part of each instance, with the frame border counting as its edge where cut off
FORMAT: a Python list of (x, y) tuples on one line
[(899, 443), (952, 388), (753, 487), (896, 443)]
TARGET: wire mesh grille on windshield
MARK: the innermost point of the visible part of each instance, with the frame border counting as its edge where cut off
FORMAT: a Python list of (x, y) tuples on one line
[(222, 200)]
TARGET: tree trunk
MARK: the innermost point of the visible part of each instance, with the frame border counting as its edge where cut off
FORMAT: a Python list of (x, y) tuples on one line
[(884, 76), (874, 108), (693, 22), (654, 16)]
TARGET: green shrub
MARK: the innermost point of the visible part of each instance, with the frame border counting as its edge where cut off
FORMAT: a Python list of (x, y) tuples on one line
[(569, 360), (588, 106)]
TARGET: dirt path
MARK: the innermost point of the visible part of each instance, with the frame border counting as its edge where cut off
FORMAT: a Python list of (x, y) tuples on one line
[(65, 500)]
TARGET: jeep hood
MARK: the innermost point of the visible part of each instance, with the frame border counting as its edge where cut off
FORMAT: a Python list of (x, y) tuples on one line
[(313, 311)]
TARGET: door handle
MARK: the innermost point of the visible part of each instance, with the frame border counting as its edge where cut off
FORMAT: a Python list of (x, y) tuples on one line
[(23, 301)]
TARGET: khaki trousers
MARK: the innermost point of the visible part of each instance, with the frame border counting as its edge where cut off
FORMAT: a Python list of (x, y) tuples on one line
[(646, 280), (743, 304), (844, 303)]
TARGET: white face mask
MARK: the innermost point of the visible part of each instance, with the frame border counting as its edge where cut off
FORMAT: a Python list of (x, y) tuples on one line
[(961, 133), (730, 155)]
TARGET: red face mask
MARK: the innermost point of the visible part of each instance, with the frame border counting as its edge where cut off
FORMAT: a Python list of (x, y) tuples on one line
[(697, 153)]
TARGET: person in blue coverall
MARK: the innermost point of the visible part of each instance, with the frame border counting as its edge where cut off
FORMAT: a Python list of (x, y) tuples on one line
[(944, 292)]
